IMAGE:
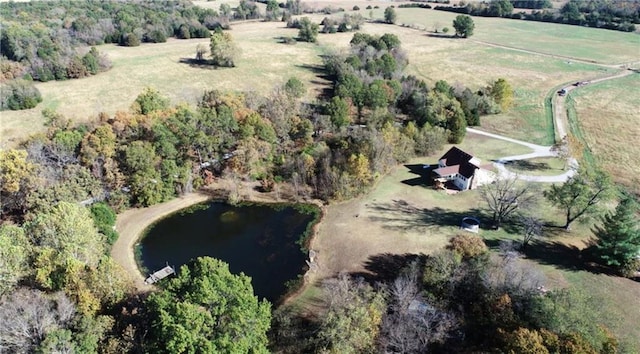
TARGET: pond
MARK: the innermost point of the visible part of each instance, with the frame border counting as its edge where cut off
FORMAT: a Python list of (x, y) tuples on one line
[(256, 239)]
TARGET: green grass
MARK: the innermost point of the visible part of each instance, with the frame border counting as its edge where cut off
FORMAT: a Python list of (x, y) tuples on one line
[(542, 166), (584, 43)]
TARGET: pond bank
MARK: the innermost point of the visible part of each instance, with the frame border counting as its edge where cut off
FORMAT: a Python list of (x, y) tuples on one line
[(131, 223)]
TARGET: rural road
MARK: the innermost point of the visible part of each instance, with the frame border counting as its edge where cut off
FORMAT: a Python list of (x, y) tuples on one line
[(560, 119)]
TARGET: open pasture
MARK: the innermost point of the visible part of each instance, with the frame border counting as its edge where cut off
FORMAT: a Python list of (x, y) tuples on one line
[(591, 44), (264, 64), (608, 122)]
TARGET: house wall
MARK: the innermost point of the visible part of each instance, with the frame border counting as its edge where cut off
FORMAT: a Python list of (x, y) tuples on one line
[(463, 185)]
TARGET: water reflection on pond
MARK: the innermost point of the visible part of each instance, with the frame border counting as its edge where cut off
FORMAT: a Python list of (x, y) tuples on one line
[(257, 239)]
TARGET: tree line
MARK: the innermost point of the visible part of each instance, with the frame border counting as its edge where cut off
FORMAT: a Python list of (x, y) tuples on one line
[(461, 299), (621, 16)]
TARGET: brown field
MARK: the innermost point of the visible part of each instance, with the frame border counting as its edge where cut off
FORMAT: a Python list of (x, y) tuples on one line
[(263, 65), (608, 117)]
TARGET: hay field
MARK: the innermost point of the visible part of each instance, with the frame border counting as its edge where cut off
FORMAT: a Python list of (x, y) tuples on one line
[(608, 121), (603, 46), (264, 64)]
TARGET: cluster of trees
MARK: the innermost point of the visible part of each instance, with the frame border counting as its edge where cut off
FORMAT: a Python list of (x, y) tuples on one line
[(460, 299), (370, 89), (51, 242), (307, 30), (19, 94), (621, 16), (48, 50), (617, 240), (348, 23)]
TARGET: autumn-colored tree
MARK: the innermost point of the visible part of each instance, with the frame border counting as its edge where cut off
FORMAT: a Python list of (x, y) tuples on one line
[(14, 255), (16, 173), (502, 93)]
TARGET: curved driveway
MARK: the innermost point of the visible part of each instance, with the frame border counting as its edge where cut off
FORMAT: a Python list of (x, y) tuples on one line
[(538, 151), (560, 122)]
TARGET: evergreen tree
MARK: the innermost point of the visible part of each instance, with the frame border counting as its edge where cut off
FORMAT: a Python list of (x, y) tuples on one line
[(618, 239)]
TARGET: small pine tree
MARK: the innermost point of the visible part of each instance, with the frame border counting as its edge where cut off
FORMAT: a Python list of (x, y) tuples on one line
[(618, 239)]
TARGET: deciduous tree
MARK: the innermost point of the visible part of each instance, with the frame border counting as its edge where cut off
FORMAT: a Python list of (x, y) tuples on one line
[(505, 196), (464, 26), (224, 51), (390, 15), (206, 309), (353, 320), (580, 195), (14, 254), (502, 93), (308, 30)]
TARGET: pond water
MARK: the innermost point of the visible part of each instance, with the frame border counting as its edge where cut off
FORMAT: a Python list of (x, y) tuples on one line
[(256, 239)]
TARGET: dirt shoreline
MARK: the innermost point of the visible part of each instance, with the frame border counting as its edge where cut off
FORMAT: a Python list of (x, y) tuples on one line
[(131, 223)]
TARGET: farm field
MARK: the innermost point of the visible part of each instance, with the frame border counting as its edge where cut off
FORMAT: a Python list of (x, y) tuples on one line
[(159, 66), (606, 117), (476, 65), (602, 46), (396, 216)]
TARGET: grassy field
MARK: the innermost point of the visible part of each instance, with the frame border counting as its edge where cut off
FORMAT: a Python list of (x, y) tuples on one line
[(476, 65), (606, 117), (542, 166), (400, 216), (603, 46), (264, 64)]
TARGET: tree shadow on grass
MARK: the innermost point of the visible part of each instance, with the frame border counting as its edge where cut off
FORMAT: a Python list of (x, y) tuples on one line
[(401, 215), (386, 267), (526, 165), (323, 79), (441, 35), (200, 64)]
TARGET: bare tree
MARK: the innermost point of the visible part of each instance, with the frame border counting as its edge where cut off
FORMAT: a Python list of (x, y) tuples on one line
[(27, 316), (531, 229), (411, 323), (201, 50), (513, 275), (505, 196)]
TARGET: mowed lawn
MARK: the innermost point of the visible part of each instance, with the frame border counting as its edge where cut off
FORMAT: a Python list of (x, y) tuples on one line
[(264, 64), (608, 121), (403, 216)]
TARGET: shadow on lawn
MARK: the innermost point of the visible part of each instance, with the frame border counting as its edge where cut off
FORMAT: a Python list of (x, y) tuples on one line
[(423, 172), (526, 165), (323, 79), (386, 267), (400, 215)]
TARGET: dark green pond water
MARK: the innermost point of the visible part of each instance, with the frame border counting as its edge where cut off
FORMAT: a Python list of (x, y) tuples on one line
[(258, 240)]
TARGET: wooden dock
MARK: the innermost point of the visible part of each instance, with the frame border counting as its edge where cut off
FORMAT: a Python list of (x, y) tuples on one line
[(160, 274)]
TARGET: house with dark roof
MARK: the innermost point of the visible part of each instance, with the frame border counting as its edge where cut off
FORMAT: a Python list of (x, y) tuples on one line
[(463, 169)]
